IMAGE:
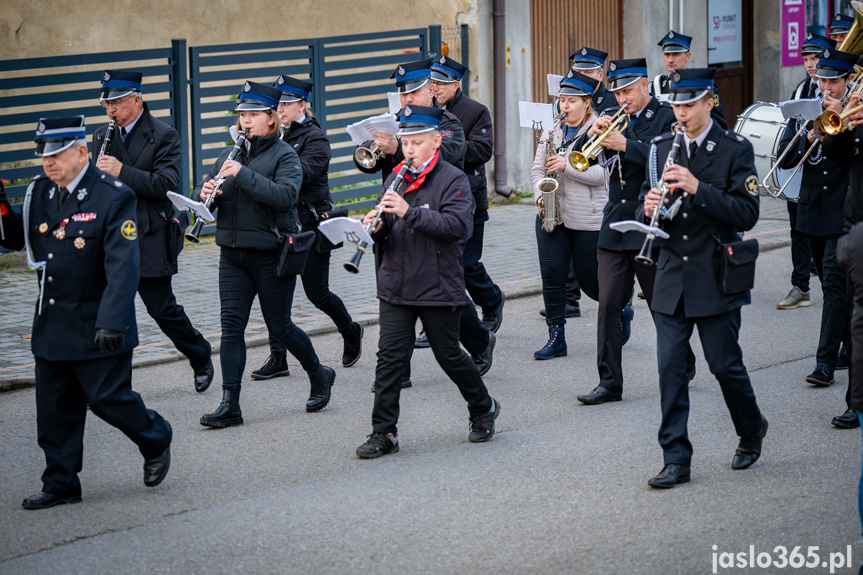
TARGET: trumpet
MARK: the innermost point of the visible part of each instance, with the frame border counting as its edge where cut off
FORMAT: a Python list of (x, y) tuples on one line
[(830, 123), (353, 265), (368, 157), (581, 160), (109, 133), (644, 255), (193, 235), (549, 211)]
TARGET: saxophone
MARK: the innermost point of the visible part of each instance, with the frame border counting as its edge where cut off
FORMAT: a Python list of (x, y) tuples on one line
[(549, 207)]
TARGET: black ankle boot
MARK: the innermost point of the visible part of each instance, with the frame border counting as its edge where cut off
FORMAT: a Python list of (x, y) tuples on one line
[(321, 385), (228, 413), (353, 337)]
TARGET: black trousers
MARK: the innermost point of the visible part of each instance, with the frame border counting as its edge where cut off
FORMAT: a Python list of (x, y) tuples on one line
[(718, 335), (242, 275), (158, 297), (801, 252), (63, 391), (573, 291), (397, 334), (479, 285), (851, 247), (835, 319), (316, 284)]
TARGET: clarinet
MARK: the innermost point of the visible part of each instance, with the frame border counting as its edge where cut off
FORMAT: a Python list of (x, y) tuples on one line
[(353, 266), (644, 255), (192, 236), (109, 133)]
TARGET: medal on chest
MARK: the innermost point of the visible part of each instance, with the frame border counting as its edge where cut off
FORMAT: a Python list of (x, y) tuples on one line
[(60, 232)]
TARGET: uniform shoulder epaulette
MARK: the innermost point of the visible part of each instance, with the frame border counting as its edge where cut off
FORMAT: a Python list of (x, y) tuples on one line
[(36, 177), (734, 136), (662, 137), (664, 104)]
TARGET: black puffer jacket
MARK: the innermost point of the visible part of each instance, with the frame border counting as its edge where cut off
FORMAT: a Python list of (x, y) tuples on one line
[(263, 195), (422, 263), (310, 142)]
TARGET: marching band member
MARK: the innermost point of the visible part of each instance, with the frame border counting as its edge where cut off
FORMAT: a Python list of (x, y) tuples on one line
[(715, 175), (257, 201), (421, 275), (676, 53), (305, 136), (145, 154), (82, 238), (616, 252), (446, 75), (591, 62), (581, 199), (839, 27), (801, 251), (823, 187)]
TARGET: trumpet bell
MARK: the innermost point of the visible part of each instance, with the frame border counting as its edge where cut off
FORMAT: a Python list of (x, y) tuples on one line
[(365, 157), (578, 161)]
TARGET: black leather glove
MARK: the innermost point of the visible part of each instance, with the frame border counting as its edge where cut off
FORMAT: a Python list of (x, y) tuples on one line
[(109, 339)]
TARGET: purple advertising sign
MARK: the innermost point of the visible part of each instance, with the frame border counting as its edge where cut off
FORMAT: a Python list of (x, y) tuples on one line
[(793, 31)]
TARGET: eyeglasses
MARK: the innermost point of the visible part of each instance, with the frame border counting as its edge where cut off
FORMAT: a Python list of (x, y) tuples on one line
[(116, 103)]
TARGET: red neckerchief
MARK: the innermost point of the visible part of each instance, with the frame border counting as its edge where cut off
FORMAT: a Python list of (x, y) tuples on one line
[(421, 177)]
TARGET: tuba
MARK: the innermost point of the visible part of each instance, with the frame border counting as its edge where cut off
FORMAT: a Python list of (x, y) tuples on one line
[(549, 206)]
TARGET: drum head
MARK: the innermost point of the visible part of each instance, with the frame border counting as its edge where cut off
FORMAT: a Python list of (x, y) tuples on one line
[(762, 124)]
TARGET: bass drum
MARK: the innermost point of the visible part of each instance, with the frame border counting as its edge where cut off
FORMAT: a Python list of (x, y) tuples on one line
[(763, 125)]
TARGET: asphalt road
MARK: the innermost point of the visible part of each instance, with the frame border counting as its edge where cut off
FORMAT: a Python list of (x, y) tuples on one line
[(560, 489)]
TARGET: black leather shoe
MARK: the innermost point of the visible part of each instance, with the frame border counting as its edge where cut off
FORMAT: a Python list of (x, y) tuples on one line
[(276, 366), (690, 372), (749, 449), (484, 359), (494, 318), (353, 348), (671, 475), (227, 414), (422, 341), (570, 311), (204, 377), (321, 387), (44, 500), (156, 469), (847, 420), (599, 395)]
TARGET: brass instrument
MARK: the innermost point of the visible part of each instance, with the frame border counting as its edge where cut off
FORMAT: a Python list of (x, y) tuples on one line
[(644, 255), (353, 266), (193, 235), (109, 133), (581, 160), (549, 204), (368, 157)]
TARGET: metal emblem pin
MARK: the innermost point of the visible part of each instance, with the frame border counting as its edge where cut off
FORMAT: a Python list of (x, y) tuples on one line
[(408, 111), (281, 80), (826, 53), (569, 74), (584, 51), (43, 227), (612, 67), (442, 60), (51, 193), (671, 35), (710, 145), (247, 87), (106, 77), (40, 128), (401, 71), (82, 193), (80, 243), (677, 76)]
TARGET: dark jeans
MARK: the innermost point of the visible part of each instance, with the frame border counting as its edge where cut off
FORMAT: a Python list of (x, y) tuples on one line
[(834, 314), (64, 389), (479, 285), (718, 335), (242, 275), (573, 292), (558, 250), (397, 334), (801, 252), (316, 284), (158, 297)]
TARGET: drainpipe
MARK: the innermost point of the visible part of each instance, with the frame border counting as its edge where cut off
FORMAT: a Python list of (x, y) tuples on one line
[(499, 45)]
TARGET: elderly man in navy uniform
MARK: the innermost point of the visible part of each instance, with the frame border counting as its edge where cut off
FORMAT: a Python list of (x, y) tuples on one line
[(144, 153), (616, 251), (823, 187), (446, 75), (840, 26), (80, 234), (715, 178), (676, 54)]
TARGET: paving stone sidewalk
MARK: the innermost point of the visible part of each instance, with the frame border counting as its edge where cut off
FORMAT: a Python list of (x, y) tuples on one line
[(509, 255)]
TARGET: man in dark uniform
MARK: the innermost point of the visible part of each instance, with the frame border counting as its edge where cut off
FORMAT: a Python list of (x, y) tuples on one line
[(422, 276), (80, 234), (840, 26), (446, 75), (144, 153), (801, 251), (823, 187), (616, 251), (715, 177), (676, 54)]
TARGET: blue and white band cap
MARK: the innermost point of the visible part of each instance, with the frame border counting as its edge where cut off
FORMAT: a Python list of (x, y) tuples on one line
[(588, 59), (446, 70), (419, 119), (816, 43), (119, 83), (258, 97), (841, 24), (53, 135), (577, 84), (675, 42), (622, 73), (690, 85), (835, 64), (412, 76), (293, 89)]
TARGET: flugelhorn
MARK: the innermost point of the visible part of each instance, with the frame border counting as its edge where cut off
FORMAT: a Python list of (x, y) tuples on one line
[(580, 160), (193, 235), (368, 157), (353, 265), (109, 133)]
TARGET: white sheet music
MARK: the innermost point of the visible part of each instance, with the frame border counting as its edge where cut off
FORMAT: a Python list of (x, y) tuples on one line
[(808, 109), (533, 115), (349, 230), (395, 102), (635, 226), (364, 130), (184, 203), (553, 84)]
